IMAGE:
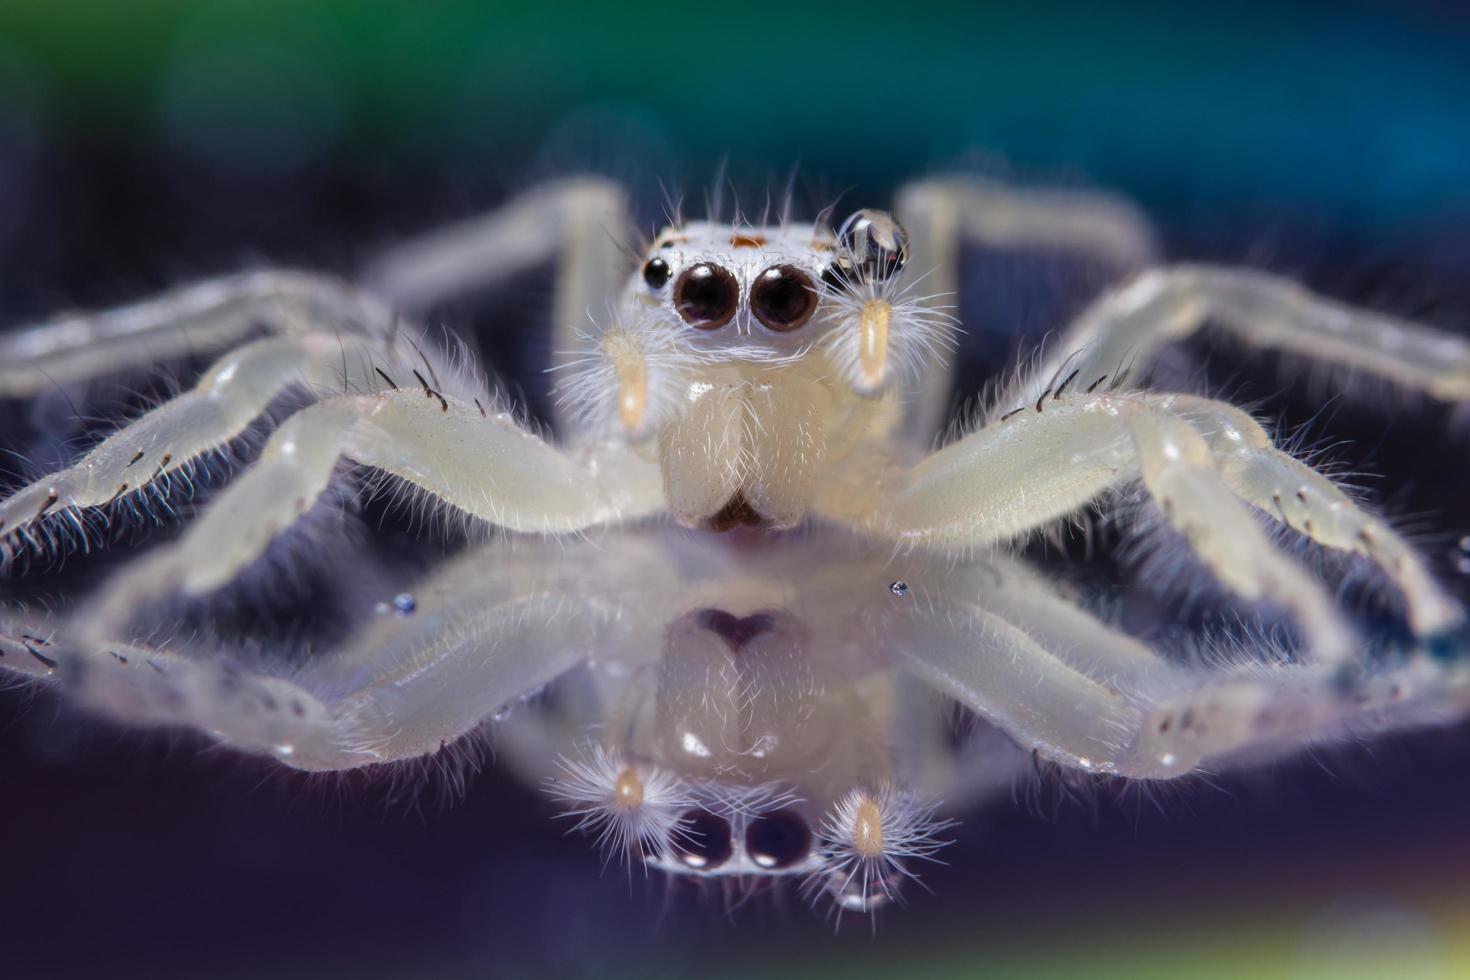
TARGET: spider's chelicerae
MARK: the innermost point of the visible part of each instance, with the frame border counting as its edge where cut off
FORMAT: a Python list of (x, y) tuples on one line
[(707, 689)]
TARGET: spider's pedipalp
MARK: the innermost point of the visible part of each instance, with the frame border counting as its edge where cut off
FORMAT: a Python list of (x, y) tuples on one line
[(869, 842), (633, 809), (884, 333)]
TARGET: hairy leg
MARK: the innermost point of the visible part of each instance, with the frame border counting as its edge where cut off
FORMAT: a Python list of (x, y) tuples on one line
[(1067, 450), (1291, 492), (942, 214), (403, 687), (480, 463), (583, 223), (1127, 327), (1169, 720), (210, 316)]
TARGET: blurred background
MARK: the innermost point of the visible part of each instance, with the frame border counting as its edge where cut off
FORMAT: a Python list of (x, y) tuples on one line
[(144, 143)]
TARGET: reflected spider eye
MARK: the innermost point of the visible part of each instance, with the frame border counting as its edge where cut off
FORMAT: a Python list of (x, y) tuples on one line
[(656, 273), (702, 841), (783, 298), (875, 243), (778, 840), (706, 295)]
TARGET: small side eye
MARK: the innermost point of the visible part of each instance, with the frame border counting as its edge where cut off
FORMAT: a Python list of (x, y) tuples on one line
[(783, 298), (875, 243), (778, 840), (706, 295), (702, 840), (656, 273)]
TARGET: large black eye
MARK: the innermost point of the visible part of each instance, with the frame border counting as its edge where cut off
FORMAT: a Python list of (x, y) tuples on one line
[(783, 298), (702, 841), (706, 295), (778, 840), (656, 272), (875, 243)]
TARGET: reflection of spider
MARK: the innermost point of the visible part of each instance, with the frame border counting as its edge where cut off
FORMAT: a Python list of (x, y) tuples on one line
[(746, 688)]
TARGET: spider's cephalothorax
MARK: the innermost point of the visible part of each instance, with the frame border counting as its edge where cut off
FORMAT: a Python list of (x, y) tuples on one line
[(761, 703), (752, 359)]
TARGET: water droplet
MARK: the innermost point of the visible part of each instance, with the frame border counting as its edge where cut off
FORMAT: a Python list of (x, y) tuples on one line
[(405, 604), (381, 609), (899, 588)]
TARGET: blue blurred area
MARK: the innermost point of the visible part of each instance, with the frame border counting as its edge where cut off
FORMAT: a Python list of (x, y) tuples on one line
[(1350, 114)]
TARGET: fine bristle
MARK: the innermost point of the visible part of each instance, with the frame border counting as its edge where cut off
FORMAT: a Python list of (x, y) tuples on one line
[(867, 839), (915, 333), (632, 808)]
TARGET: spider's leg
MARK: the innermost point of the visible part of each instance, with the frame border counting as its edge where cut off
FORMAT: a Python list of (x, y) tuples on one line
[(1049, 460), (403, 686), (209, 316), (1033, 603), (1179, 473), (169, 438), (1169, 721), (942, 214), (988, 664), (583, 223), (481, 463), (1129, 325), (1291, 492)]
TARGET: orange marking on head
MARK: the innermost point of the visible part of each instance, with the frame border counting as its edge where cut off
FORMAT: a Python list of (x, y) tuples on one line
[(746, 241)]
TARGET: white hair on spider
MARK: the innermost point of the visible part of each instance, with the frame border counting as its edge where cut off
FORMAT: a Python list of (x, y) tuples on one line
[(867, 839), (631, 807), (635, 377), (884, 331)]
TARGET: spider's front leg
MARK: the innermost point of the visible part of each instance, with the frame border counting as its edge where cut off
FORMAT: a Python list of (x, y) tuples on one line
[(145, 454), (478, 462), (1065, 451), (1129, 325)]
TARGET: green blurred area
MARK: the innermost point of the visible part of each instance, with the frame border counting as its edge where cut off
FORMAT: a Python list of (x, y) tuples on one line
[(1342, 110)]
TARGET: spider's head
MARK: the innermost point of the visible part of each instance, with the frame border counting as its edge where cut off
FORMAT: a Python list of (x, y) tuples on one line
[(772, 295), (711, 298), (740, 350)]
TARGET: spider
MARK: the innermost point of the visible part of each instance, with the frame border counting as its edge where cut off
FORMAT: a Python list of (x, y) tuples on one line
[(734, 605)]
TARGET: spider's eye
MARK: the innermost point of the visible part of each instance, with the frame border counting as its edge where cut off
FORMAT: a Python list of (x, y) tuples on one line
[(783, 298), (778, 840), (702, 841), (706, 295), (875, 243), (656, 273)]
